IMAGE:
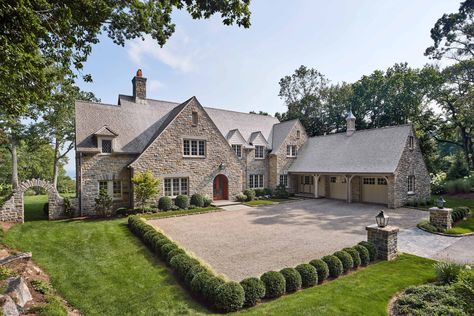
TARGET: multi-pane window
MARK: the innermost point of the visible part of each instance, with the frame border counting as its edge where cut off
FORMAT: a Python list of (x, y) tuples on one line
[(411, 142), (256, 181), (307, 180), (175, 186), (411, 184), (259, 152), (103, 186), (117, 189), (195, 118), (291, 150), (284, 180), (107, 146), (194, 148), (368, 181), (112, 188), (333, 179), (381, 181), (238, 150)]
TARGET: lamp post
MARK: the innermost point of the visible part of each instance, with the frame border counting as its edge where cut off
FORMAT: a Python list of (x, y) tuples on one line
[(440, 202), (382, 219)]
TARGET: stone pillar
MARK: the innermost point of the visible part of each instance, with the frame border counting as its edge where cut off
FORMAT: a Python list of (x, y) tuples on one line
[(384, 239), (316, 186), (441, 217)]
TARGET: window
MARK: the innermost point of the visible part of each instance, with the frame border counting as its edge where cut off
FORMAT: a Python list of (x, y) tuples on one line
[(333, 179), (106, 146), (259, 152), (291, 150), (307, 180), (194, 148), (195, 118), (284, 180), (175, 186), (411, 142), (103, 186), (298, 134), (256, 181), (381, 181), (411, 184), (117, 189), (238, 150), (369, 180)]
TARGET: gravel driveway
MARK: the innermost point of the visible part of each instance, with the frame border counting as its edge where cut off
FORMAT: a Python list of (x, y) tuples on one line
[(248, 241)]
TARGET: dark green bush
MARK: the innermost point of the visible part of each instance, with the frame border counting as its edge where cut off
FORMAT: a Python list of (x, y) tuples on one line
[(198, 282), (165, 203), (426, 225), (292, 279), (371, 248), (254, 289), (275, 284), (197, 199), (321, 268), (464, 289), (181, 264), (346, 260), (334, 265), (241, 197), (355, 256), (309, 275), (281, 192), (259, 192), (250, 194), (166, 248), (172, 253), (459, 213), (182, 201), (159, 243), (363, 253), (207, 201), (196, 269), (230, 297), (267, 191), (210, 286)]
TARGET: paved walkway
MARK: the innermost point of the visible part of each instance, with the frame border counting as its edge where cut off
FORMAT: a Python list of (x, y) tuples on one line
[(424, 244)]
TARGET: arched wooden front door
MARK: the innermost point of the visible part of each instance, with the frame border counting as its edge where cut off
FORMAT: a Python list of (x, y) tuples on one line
[(221, 188)]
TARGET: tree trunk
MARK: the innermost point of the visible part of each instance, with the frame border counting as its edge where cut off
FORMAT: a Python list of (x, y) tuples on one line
[(56, 164), (14, 162), (466, 146)]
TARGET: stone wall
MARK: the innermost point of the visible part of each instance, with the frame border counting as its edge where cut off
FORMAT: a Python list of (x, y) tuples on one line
[(254, 166), (411, 163), (164, 157), (385, 240), (441, 217)]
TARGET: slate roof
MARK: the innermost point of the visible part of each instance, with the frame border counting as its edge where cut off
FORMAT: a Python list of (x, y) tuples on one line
[(280, 131), (366, 151), (138, 123)]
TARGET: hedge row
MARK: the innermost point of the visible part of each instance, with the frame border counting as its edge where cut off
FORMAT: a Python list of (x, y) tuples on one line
[(459, 213), (218, 293), (231, 296)]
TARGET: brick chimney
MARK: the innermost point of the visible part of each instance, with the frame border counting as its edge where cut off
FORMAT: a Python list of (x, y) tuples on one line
[(351, 123), (139, 86)]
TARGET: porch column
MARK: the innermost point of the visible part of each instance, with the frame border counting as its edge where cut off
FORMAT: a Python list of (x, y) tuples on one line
[(349, 188), (316, 186)]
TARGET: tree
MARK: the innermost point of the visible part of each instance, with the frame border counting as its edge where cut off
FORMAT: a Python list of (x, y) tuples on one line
[(103, 203), (453, 34), (146, 186), (40, 37)]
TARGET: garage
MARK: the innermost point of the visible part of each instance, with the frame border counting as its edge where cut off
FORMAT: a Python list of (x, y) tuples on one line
[(374, 190), (338, 187)]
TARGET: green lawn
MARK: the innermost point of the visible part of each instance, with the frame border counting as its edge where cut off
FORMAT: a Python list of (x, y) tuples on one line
[(466, 226), (34, 206), (265, 202), (102, 269)]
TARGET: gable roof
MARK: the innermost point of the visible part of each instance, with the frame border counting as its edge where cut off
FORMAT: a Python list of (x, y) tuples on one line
[(235, 133), (280, 132), (256, 135), (138, 123), (105, 131), (366, 151)]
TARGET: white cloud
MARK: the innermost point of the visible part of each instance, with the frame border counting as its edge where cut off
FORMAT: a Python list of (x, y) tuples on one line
[(177, 52), (155, 85)]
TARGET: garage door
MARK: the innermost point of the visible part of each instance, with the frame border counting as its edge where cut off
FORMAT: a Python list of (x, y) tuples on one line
[(337, 188), (374, 190)]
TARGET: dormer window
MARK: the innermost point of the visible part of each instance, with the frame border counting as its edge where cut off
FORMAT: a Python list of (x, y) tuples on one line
[(106, 146), (291, 150), (195, 118), (411, 142), (259, 152)]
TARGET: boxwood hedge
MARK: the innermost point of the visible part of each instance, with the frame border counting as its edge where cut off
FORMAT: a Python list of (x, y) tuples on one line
[(346, 260), (309, 275), (334, 265), (321, 268), (371, 248), (230, 297), (354, 254), (275, 284), (363, 253), (254, 289), (292, 279)]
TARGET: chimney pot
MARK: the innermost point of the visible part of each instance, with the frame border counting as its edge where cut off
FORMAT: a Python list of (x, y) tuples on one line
[(139, 73), (139, 87)]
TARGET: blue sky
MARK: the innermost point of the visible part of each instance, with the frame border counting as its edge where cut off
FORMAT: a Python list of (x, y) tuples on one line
[(239, 69)]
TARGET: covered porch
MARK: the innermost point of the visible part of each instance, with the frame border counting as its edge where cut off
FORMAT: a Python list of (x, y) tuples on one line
[(370, 188)]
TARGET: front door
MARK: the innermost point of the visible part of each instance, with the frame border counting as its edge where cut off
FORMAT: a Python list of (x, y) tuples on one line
[(220, 188)]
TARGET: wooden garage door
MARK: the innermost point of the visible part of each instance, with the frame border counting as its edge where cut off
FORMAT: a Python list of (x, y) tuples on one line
[(337, 188), (374, 190)]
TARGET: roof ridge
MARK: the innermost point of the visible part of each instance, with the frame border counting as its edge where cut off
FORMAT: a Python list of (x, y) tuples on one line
[(364, 130)]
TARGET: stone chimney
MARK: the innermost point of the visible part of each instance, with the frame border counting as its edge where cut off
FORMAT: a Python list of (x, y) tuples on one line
[(351, 123), (139, 86)]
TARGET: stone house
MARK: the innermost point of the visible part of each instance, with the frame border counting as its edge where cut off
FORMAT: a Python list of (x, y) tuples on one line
[(219, 153)]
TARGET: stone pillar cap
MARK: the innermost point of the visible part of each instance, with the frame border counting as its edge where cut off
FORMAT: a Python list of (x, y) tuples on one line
[(388, 228), (435, 208)]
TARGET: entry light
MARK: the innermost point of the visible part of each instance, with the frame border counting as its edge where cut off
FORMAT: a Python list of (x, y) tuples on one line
[(382, 219), (440, 202)]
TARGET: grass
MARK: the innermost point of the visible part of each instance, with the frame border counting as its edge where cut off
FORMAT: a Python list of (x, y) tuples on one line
[(465, 226), (34, 206), (181, 212), (265, 202), (100, 268)]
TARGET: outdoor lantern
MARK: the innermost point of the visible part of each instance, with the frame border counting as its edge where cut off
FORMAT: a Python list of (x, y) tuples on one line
[(440, 202), (222, 166), (382, 219)]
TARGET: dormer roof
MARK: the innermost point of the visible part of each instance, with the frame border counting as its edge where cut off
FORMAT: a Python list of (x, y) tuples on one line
[(105, 131)]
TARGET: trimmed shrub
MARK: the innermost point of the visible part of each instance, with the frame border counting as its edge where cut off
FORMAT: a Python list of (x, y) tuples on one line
[(309, 275), (464, 289), (354, 254), (447, 272), (267, 191), (275, 284), (165, 203), (254, 289), (321, 269), (459, 213), (210, 286), (182, 201), (166, 248), (292, 279), (159, 243), (198, 282), (182, 263), (363, 254), (371, 248), (172, 253), (426, 225), (197, 199), (241, 197), (334, 265), (193, 271), (259, 192), (250, 194), (346, 260), (230, 297), (207, 201), (281, 192)]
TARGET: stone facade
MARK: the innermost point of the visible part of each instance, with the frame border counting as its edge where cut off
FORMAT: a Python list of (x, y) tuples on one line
[(411, 164), (164, 157), (441, 217), (255, 166), (385, 240), (279, 163)]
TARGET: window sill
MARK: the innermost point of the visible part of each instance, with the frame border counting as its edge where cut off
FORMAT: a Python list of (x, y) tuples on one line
[(259, 158), (410, 193), (194, 157), (290, 156)]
